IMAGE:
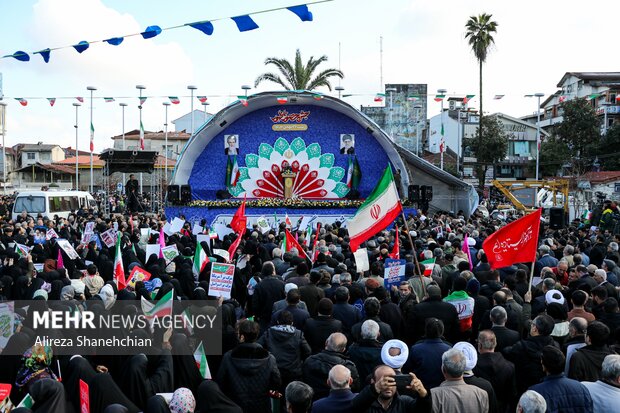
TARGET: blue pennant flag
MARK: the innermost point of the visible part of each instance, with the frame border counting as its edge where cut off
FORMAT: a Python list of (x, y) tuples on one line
[(302, 12), (245, 23), (115, 41), (45, 54), (206, 27), (151, 31), (19, 55), (81, 46)]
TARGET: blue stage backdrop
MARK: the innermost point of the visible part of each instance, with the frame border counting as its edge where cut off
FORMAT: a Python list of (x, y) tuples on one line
[(311, 139)]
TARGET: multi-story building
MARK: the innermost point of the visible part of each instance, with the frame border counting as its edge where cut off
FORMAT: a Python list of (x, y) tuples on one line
[(29, 154), (184, 123), (602, 89), (154, 141), (403, 115)]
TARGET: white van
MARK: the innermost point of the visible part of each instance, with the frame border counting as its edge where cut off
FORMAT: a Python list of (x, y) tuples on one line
[(50, 203)]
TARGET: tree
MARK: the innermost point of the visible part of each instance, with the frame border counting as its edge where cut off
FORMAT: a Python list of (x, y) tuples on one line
[(299, 76), (609, 148), (579, 130), (479, 33), (554, 155), (491, 149)]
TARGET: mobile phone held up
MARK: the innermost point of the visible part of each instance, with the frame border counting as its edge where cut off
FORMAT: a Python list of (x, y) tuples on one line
[(402, 380)]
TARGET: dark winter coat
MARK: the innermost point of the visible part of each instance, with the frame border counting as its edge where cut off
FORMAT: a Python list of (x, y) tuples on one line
[(587, 362), (316, 370), (526, 355), (289, 347)]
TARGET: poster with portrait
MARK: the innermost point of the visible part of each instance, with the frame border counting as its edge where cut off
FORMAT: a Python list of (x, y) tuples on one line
[(231, 144), (138, 274), (347, 144)]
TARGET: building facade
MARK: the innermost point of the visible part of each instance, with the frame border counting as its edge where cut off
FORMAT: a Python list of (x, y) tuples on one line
[(30, 154), (154, 141), (402, 115)]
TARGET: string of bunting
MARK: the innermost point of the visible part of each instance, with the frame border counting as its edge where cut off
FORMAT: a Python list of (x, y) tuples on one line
[(244, 23)]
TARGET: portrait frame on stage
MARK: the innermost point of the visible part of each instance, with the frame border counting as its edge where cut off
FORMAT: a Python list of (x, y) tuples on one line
[(347, 143), (231, 144)]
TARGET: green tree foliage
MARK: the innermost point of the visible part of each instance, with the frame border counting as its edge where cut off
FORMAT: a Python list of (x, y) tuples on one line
[(609, 149), (480, 30), (491, 149), (297, 75), (554, 155), (579, 128)]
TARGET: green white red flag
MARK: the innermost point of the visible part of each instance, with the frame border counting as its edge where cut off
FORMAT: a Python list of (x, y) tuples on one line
[(161, 308), (51, 101), (141, 136), (119, 271), (378, 211), (243, 100), (200, 260), (201, 361), (174, 99), (429, 265)]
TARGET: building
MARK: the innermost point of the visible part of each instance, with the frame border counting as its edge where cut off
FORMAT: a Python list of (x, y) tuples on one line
[(184, 123), (43, 175), (403, 115), (154, 141), (602, 89), (39, 153), (521, 143), (10, 164)]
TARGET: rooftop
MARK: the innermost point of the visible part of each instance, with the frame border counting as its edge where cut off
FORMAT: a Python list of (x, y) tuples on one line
[(602, 76), (135, 135), (37, 147), (601, 177)]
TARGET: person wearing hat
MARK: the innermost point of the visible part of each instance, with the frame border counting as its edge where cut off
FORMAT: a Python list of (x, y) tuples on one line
[(280, 305), (471, 359)]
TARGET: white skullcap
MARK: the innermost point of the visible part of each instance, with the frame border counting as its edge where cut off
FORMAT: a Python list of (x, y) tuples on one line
[(554, 296), (289, 286)]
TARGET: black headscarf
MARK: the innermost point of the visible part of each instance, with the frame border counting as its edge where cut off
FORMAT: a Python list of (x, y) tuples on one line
[(211, 399), (49, 396)]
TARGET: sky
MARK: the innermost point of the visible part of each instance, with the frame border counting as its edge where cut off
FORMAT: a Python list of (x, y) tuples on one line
[(423, 42)]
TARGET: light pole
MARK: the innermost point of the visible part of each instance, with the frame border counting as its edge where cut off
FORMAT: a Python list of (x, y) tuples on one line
[(92, 136), (538, 96), (166, 104), (3, 130), (417, 107), (204, 115), (191, 89), (442, 143), (340, 89), (245, 89), (77, 176), (141, 88), (123, 106)]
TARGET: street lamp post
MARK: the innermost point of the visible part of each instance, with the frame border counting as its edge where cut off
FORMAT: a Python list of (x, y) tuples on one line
[(141, 88), (442, 143), (245, 89), (191, 89), (123, 106), (204, 115), (538, 96), (3, 130), (92, 136), (339, 89), (166, 104), (77, 176)]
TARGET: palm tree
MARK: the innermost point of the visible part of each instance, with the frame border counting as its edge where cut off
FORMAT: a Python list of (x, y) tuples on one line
[(480, 31), (299, 76)]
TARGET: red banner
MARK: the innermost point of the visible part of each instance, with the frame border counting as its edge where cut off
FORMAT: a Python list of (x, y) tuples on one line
[(514, 243), (84, 397)]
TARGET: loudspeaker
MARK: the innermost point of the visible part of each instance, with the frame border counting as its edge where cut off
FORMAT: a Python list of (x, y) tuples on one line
[(414, 193), (428, 196), (130, 161), (556, 218), (186, 194), (173, 193)]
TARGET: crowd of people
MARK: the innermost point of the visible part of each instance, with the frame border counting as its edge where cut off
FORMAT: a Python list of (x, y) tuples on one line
[(315, 334)]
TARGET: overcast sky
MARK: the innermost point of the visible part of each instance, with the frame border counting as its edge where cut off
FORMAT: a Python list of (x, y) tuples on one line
[(423, 42)]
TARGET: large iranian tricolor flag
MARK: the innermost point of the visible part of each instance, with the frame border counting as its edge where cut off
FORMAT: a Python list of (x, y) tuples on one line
[(200, 260), (160, 309), (378, 211)]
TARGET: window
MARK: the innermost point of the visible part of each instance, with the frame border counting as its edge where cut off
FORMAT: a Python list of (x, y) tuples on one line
[(63, 203), (30, 155), (522, 148), (45, 156), (30, 204)]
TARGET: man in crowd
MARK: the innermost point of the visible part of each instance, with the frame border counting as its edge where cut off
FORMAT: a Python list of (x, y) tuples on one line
[(340, 394)]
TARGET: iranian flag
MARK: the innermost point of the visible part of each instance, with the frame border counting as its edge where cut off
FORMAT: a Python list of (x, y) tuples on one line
[(142, 100), (108, 100), (317, 96), (378, 211), (119, 271), (200, 260), (243, 100), (141, 136), (282, 99), (174, 99), (92, 137), (22, 250), (80, 99), (202, 99), (159, 309), (22, 101), (201, 362), (288, 221), (51, 101), (439, 98), (428, 267), (498, 97), (467, 98), (379, 97)]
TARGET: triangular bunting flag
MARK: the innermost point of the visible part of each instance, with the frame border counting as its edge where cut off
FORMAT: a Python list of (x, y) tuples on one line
[(51, 101), (174, 100)]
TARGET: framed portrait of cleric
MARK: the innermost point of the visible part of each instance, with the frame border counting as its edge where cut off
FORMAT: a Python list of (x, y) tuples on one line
[(347, 144), (231, 144)]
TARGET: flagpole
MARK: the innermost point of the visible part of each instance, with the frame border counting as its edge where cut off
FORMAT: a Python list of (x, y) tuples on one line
[(92, 137), (531, 276), (415, 254)]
